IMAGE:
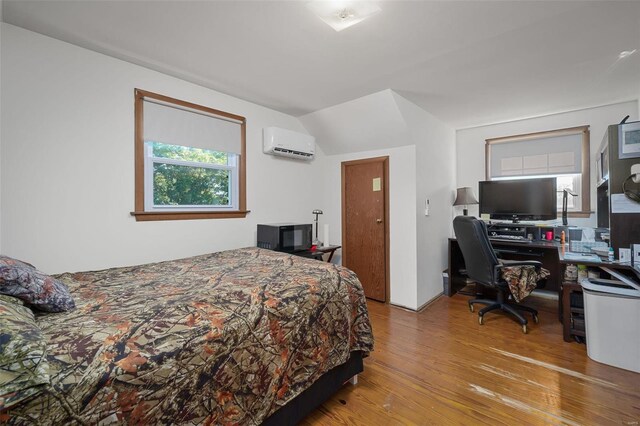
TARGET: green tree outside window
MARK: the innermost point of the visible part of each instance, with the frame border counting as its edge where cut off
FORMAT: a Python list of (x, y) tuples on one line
[(190, 185)]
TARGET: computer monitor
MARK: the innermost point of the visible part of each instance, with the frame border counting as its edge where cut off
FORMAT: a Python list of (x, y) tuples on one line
[(519, 199)]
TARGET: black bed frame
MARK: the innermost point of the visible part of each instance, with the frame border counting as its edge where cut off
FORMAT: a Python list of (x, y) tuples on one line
[(314, 396)]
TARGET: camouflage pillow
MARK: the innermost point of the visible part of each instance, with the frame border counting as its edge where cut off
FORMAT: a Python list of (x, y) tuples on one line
[(39, 290), (23, 364)]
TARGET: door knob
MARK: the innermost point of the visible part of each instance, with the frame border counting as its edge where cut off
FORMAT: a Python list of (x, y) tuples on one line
[(379, 220)]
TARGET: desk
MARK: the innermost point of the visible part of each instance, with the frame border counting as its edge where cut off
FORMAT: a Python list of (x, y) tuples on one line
[(552, 256), (626, 267), (572, 314), (319, 252), (546, 252)]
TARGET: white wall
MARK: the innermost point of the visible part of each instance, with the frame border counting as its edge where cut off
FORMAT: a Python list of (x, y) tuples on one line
[(421, 152), (367, 123), (67, 162), (67, 128), (402, 225), (435, 180), (470, 143)]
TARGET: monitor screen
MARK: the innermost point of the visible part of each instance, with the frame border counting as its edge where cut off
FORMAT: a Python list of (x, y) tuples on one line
[(519, 199)]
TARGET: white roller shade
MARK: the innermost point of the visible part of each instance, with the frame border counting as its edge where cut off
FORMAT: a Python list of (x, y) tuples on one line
[(544, 156), (176, 126)]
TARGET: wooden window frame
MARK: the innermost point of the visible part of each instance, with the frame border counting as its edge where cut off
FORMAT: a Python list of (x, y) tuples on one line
[(139, 213), (585, 209)]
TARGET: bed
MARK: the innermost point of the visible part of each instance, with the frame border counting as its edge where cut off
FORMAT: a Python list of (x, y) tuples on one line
[(243, 336)]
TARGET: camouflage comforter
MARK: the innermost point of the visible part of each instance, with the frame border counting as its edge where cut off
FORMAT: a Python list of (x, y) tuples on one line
[(223, 338)]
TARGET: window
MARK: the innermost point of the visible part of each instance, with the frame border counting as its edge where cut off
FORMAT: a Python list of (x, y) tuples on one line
[(190, 160), (178, 177), (563, 154)]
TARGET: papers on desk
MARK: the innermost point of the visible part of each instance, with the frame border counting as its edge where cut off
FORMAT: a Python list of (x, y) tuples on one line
[(582, 257)]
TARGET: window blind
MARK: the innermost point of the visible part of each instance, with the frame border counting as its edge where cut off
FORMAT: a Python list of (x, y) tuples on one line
[(554, 155), (194, 129)]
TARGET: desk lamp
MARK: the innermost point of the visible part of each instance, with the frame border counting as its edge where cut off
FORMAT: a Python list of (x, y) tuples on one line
[(565, 195), (464, 197), (317, 212)]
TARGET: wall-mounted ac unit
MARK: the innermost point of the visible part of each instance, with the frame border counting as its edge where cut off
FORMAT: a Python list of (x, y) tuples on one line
[(287, 143)]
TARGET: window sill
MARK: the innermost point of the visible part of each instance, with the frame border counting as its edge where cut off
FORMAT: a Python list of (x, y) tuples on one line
[(577, 214), (152, 216)]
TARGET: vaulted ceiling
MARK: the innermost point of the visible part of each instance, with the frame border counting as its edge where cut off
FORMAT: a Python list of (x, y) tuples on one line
[(466, 62)]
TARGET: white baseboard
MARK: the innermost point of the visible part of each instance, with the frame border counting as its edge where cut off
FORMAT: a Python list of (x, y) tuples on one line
[(421, 307)]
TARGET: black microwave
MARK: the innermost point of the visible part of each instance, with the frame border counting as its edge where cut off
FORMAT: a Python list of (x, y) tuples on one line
[(288, 237)]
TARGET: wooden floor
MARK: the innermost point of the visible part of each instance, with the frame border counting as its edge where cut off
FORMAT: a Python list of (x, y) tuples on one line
[(441, 367)]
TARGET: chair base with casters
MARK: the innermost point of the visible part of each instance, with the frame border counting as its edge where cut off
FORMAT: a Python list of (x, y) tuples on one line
[(500, 303)]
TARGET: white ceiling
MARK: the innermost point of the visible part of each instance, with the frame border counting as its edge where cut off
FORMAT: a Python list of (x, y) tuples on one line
[(466, 62)]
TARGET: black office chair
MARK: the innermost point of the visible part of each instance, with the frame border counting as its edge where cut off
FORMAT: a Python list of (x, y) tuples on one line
[(483, 266)]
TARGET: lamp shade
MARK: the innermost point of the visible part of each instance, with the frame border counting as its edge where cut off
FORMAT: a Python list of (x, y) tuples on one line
[(464, 197)]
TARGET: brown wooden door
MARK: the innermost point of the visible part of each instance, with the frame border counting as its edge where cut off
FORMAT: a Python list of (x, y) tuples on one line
[(365, 224)]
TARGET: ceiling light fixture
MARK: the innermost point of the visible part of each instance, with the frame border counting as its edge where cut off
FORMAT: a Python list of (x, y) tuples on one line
[(346, 14), (340, 14), (626, 53)]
